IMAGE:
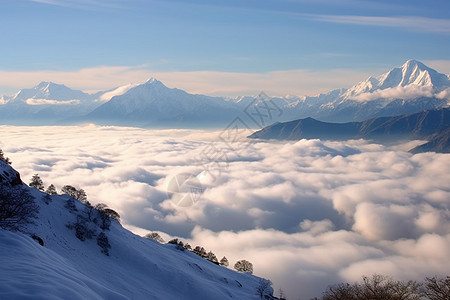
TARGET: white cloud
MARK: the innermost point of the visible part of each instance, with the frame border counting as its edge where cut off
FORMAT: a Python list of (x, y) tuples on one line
[(34, 101), (401, 92), (306, 214), (116, 92), (445, 94)]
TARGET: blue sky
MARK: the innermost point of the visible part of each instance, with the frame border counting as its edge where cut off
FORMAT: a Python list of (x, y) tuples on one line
[(230, 46)]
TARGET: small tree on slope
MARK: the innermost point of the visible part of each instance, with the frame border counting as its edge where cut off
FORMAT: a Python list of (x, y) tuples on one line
[(224, 262), (244, 266), (36, 182)]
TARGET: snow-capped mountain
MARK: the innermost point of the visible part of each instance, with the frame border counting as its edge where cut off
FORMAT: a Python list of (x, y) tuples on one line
[(47, 103), (54, 258), (412, 74), (411, 88), (51, 92), (154, 104)]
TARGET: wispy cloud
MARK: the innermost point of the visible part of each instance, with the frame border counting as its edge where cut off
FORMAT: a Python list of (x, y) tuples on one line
[(400, 92), (413, 23), (33, 101)]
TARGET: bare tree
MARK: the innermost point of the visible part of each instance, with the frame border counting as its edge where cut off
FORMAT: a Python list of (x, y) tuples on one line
[(111, 213), (17, 208), (51, 190), (80, 195), (224, 262), (244, 266), (69, 190), (73, 192), (377, 287), (212, 257), (263, 288), (341, 291), (200, 251), (155, 236), (4, 158), (437, 288), (36, 182)]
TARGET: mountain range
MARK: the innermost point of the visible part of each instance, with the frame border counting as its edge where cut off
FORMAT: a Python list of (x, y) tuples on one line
[(431, 125), (411, 88), (64, 254)]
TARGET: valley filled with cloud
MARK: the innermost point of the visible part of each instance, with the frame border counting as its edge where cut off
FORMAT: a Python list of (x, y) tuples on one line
[(306, 214)]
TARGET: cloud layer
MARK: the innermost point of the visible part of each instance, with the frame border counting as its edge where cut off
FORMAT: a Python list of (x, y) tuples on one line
[(306, 214)]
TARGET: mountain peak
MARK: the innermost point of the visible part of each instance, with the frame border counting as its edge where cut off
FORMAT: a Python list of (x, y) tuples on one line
[(412, 63), (47, 85), (50, 91), (412, 72), (412, 75), (153, 80)]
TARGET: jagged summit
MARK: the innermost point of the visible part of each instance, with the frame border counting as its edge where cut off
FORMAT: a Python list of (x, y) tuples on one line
[(412, 73), (50, 90), (153, 81)]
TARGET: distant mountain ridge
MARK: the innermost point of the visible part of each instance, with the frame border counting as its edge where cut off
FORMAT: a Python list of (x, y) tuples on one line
[(410, 88), (432, 125)]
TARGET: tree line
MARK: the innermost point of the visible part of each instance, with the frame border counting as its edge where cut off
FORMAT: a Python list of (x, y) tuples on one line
[(380, 287), (240, 266)]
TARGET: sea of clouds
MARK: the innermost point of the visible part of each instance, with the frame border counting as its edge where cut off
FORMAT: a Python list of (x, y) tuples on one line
[(307, 214)]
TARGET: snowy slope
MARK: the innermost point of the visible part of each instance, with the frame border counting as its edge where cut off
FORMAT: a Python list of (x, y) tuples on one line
[(137, 268)]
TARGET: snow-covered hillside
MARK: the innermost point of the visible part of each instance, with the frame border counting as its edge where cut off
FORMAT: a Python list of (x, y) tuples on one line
[(137, 268)]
